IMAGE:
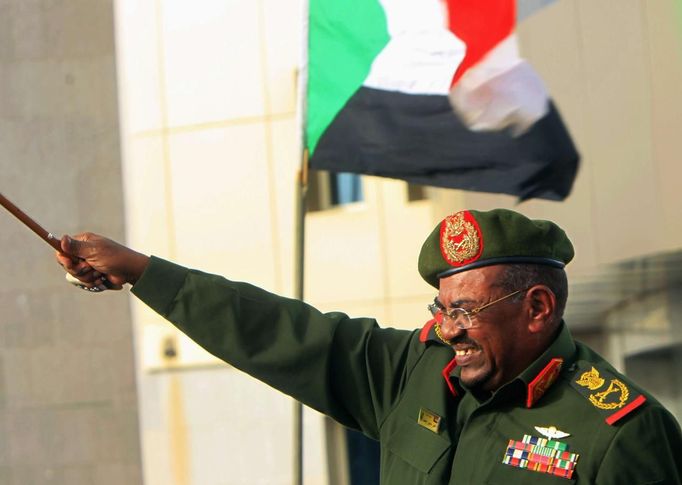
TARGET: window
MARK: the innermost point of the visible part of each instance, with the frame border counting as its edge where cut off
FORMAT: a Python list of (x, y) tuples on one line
[(330, 189)]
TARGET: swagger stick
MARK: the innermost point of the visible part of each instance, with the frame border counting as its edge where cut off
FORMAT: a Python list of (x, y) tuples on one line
[(48, 237)]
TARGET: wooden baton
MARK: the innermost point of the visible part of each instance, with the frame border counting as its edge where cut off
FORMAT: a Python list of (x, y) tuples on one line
[(48, 237)]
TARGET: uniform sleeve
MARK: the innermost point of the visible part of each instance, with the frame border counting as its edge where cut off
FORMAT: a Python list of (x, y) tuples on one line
[(349, 369), (647, 450)]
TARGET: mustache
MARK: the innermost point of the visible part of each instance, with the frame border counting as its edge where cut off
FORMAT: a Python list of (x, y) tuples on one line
[(463, 339)]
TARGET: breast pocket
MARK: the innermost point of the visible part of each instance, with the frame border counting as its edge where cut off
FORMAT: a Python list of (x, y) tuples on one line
[(502, 474), (417, 446)]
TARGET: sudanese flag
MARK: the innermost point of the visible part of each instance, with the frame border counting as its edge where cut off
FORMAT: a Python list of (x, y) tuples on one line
[(381, 78)]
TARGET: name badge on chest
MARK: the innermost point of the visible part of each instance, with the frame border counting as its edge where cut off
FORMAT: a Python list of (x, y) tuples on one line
[(429, 420)]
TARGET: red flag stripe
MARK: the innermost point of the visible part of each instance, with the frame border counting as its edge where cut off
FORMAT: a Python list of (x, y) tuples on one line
[(481, 25)]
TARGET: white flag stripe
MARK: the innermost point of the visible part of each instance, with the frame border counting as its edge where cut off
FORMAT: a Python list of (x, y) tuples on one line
[(422, 55)]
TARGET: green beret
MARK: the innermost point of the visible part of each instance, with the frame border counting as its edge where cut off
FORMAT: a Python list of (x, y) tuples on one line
[(470, 239)]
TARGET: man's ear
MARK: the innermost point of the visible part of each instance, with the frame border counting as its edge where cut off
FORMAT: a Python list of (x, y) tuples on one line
[(541, 306)]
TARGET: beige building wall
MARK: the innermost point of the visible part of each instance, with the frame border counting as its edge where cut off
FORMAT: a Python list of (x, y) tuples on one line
[(68, 404), (210, 137)]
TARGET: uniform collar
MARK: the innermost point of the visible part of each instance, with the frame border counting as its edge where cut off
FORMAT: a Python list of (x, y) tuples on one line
[(538, 377), (541, 374), (428, 333), (562, 348)]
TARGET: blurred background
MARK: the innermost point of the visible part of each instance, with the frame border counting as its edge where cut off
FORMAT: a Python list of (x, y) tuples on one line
[(172, 126)]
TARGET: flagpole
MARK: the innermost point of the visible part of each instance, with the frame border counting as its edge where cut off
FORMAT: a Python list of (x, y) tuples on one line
[(301, 198), (301, 192)]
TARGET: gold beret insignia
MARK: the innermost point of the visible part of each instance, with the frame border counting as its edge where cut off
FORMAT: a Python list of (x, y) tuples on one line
[(460, 239)]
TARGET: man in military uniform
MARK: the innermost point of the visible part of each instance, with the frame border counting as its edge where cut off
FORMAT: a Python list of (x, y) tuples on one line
[(492, 390)]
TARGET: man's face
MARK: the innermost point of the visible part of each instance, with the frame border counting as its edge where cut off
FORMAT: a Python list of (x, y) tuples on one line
[(495, 350)]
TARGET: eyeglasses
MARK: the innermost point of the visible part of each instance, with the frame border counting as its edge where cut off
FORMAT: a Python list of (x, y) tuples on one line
[(459, 317)]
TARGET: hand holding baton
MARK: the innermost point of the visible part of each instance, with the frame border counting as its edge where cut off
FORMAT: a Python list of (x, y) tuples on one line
[(46, 236)]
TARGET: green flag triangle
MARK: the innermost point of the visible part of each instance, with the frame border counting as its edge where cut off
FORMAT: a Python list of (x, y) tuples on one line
[(344, 38)]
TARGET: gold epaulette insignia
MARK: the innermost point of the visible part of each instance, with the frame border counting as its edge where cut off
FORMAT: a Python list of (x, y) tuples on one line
[(614, 398), (591, 379)]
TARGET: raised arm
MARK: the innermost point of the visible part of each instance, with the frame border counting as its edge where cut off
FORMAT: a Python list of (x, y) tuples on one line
[(349, 369)]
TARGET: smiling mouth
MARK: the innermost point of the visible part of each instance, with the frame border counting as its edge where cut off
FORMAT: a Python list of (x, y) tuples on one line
[(464, 353)]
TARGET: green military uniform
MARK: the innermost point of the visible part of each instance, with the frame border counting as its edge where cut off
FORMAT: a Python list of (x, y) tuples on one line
[(401, 388)]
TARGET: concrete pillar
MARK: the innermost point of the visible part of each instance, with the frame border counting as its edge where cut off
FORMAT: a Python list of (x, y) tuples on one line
[(68, 401)]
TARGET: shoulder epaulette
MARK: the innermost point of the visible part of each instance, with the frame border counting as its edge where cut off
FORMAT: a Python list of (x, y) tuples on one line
[(606, 391)]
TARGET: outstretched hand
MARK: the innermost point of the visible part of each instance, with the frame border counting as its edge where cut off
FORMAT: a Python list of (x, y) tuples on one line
[(98, 262)]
